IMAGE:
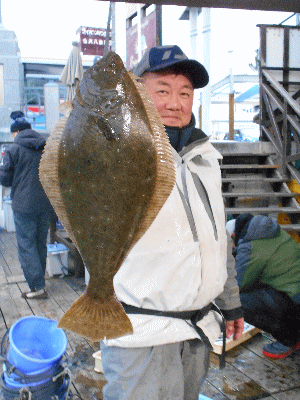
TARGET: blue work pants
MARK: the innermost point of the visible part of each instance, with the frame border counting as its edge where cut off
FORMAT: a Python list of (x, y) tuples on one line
[(273, 312)]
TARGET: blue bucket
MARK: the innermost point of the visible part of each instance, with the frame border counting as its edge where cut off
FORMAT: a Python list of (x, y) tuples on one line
[(35, 344)]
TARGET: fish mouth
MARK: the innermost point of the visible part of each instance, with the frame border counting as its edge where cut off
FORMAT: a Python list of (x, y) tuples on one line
[(110, 63), (107, 72), (101, 86)]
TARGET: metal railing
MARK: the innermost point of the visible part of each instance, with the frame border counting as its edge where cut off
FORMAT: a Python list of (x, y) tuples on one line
[(279, 98)]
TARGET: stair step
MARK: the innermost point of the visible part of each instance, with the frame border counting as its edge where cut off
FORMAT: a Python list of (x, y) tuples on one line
[(261, 194), (247, 154), (290, 227), (253, 179), (262, 210), (249, 166)]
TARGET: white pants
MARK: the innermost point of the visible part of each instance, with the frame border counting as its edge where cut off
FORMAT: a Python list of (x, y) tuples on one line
[(174, 371)]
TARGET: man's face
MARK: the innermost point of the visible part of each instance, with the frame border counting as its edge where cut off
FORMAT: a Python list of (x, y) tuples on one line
[(172, 95)]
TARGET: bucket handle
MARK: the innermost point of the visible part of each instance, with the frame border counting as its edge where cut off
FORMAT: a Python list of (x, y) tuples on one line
[(26, 394), (22, 378)]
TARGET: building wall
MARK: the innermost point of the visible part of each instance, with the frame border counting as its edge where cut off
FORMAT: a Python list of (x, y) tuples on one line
[(12, 80)]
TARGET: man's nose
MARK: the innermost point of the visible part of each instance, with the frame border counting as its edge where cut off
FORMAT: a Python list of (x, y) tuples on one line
[(173, 102)]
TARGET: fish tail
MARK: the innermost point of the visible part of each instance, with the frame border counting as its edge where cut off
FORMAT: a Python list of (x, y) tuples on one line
[(96, 320)]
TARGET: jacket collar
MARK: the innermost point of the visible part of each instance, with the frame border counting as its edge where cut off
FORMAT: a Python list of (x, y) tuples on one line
[(179, 137)]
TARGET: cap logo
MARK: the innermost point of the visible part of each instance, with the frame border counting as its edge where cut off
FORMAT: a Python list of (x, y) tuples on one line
[(166, 55), (180, 56)]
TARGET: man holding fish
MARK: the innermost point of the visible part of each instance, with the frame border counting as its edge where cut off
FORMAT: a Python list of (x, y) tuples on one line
[(175, 274)]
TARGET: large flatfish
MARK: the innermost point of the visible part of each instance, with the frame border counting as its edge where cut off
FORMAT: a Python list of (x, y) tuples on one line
[(107, 169)]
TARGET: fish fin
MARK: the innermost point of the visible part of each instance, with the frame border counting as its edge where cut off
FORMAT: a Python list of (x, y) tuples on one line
[(48, 174), (96, 320), (106, 128), (136, 78), (66, 107)]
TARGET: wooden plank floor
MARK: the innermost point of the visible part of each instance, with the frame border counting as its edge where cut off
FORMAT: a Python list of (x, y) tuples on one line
[(248, 375), (86, 383)]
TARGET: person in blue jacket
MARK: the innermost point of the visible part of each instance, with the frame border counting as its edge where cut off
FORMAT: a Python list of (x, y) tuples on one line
[(267, 262), (31, 208)]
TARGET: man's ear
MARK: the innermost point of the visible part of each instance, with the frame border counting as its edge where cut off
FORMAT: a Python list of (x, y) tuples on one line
[(232, 236)]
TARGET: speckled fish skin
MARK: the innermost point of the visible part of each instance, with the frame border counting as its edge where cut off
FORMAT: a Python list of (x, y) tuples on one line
[(113, 171)]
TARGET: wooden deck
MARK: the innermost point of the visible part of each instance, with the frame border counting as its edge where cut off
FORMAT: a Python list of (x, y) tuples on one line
[(248, 374)]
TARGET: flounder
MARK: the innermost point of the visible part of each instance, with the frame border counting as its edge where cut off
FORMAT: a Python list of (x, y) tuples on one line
[(107, 169)]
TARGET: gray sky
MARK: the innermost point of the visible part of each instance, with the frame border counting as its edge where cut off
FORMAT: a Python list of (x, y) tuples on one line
[(46, 30)]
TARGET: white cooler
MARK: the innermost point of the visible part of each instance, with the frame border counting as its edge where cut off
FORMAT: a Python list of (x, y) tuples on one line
[(57, 259)]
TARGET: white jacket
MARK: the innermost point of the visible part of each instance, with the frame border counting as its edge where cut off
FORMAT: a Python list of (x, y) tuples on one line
[(178, 264)]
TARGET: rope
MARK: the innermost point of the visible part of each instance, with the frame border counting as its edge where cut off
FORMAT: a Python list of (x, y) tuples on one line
[(66, 373), (25, 394)]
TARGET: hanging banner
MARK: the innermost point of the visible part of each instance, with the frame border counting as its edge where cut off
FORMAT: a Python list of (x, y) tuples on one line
[(92, 40)]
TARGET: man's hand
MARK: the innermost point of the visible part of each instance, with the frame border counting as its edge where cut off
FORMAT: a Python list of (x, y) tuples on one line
[(234, 328)]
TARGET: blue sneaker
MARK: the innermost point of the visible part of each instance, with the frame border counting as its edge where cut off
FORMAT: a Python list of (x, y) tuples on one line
[(278, 350)]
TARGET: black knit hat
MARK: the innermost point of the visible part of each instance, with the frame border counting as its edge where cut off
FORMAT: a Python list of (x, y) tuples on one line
[(20, 122)]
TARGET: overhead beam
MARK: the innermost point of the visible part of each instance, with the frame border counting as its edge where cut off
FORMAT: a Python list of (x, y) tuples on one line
[(265, 5), (225, 82)]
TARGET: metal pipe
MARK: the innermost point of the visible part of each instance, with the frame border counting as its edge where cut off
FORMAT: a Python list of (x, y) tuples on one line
[(281, 23), (139, 29), (106, 46), (113, 26), (193, 16), (231, 99), (231, 117), (206, 92)]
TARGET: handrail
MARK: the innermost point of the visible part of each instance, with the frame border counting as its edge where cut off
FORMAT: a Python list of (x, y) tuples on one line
[(280, 119), (280, 105), (282, 91)]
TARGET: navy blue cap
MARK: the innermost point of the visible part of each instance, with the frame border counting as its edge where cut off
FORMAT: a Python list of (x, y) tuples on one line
[(161, 57)]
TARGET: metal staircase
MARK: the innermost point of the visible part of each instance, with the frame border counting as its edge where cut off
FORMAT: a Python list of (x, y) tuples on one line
[(263, 177), (252, 182)]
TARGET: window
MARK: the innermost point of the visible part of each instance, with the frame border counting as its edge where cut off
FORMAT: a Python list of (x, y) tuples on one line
[(131, 21), (146, 10)]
